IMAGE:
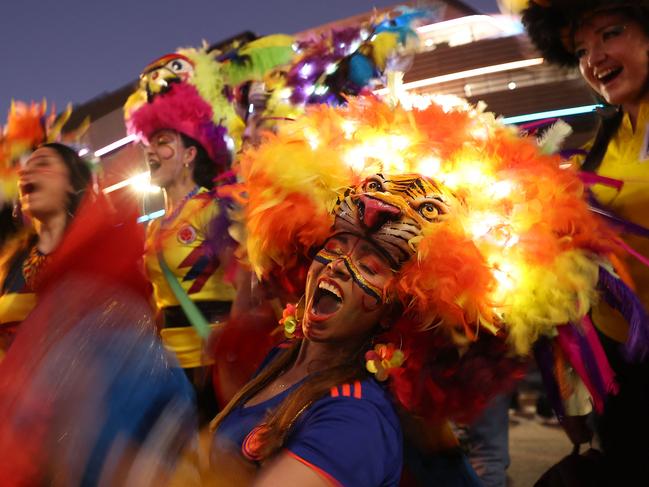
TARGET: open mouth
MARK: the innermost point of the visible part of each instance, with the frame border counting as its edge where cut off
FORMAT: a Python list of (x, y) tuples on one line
[(327, 300), (154, 166), (609, 75), (28, 188), (374, 213)]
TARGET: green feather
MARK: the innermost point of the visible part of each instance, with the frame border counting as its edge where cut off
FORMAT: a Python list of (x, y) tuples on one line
[(254, 60)]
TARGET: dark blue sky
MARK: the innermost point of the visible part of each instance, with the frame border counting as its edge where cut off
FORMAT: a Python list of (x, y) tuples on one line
[(73, 50)]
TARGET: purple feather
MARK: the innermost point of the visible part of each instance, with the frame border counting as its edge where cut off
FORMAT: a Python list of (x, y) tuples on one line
[(590, 362), (331, 49), (545, 361), (622, 298), (218, 148), (622, 225), (218, 239), (568, 340)]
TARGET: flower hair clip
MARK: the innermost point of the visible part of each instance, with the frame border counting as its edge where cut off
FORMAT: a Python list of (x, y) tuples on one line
[(382, 359), (290, 321)]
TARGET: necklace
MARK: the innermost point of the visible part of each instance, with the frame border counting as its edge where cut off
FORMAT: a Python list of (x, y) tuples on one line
[(32, 266), (172, 216)]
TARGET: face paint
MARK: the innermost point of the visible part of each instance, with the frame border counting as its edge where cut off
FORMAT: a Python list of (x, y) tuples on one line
[(164, 156), (346, 289), (326, 257)]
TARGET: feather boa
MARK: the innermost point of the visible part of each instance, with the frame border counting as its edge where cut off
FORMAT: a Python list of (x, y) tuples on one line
[(184, 110)]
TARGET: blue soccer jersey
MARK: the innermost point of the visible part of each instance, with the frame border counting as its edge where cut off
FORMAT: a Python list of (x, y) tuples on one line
[(351, 437)]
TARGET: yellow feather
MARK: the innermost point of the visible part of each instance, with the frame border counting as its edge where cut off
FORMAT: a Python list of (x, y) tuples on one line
[(551, 296), (384, 46), (209, 80)]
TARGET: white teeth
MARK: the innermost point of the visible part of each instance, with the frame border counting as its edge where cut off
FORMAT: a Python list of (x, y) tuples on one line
[(603, 74), (328, 287)]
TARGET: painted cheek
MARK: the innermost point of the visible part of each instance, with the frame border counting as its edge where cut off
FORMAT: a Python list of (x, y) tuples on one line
[(370, 302), (166, 152)]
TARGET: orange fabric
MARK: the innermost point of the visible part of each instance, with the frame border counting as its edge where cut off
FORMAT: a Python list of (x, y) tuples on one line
[(358, 392)]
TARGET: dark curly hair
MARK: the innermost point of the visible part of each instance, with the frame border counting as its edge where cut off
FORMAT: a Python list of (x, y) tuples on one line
[(548, 26)]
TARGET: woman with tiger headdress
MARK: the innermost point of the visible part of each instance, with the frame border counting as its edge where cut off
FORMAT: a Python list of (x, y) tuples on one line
[(440, 247)]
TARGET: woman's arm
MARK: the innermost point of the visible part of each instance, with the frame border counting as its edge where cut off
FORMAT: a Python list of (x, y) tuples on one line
[(288, 469)]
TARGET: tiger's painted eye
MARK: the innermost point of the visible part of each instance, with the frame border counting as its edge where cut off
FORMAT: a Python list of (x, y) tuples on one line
[(428, 211), (431, 209), (373, 184)]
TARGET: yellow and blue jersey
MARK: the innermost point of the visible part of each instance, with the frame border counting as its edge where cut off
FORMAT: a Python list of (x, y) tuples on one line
[(627, 159), (186, 250), (184, 246), (17, 299)]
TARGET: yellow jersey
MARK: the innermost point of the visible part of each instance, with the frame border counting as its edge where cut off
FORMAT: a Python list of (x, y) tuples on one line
[(627, 159), (17, 298), (182, 241)]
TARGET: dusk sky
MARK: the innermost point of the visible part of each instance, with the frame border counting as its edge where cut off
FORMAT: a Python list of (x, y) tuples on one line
[(73, 50)]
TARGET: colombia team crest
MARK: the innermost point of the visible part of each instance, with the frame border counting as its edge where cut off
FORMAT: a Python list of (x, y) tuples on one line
[(187, 234)]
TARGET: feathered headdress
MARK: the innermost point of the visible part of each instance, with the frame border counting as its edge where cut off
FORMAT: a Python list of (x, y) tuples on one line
[(550, 23), (191, 91), (27, 127), (343, 62), (490, 234)]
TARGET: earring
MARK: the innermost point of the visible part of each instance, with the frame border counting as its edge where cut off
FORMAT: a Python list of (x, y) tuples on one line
[(291, 320), (383, 359)]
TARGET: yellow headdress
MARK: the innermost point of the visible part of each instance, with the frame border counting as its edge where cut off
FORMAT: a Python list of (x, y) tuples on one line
[(503, 239)]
